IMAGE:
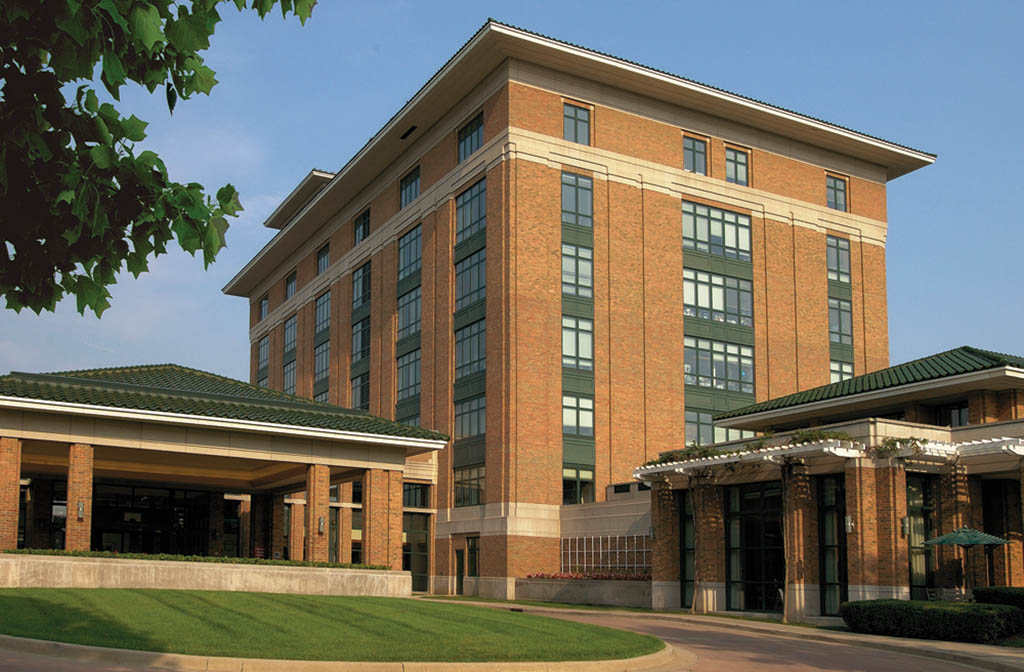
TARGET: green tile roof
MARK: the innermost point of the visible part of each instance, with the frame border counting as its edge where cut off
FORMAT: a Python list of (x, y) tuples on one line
[(964, 359), (170, 388)]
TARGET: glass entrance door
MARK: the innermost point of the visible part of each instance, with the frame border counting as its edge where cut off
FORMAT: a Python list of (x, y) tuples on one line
[(832, 532), (920, 512), (755, 565)]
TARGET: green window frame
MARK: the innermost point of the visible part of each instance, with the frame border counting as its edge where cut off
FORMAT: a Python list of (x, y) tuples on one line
[(701, 429), (262, 361), (576, 124), (410, 252), (737, 166), (470, 417), (840, 321), (718, 365), (321, 362), (322, 397), (361, 227), (289, 378), (720, 298), (577, 485), (410, 421), (264, 308), (472, 556), (719, 232), (323, 258), (471, 137), (290, 334), (577, 415), (361, 340), (361, 286), (471, 279), (837, 258), (577, 343), (409, 188), (695, 155), (361, 391), (840, 371), (409, 374), (835, 192), (409, 313), (289, 286), (577, 200), (921, 516), (323, 312), (416, 495), (471, 211), (469, 485), (471, 349), (577, 271)]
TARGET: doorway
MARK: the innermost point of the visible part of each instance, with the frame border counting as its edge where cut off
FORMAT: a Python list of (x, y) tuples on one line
[(832, 542)]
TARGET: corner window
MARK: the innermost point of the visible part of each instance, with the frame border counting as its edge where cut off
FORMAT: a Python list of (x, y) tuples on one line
[(264, 308), (577, 485), (323, 259), (289, 286), (838, 258), (361, 286), (469, 485), (361, 227), (840, 321), (410, 253), (471, 211), (695, 155), (262, 361), (736, 167), (409, 375), (471, 137), (835, 192), (577, 271), (577, 343), (409, 188), (840, 371), (716, 231), (576, 124), (577, 200), (577, 416)]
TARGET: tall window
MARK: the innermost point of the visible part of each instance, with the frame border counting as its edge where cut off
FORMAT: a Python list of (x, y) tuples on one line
[(361, 286), (736, 166), (361, 340), (289, 334), (835, 192), (361, 392), (840, 321), (921, 515), (323, 258), (718, 297), (577, 343), (577, 271), (471, 279), (471, 136), (264, 307), (470, 417), (361, 227), (695, 155), (410, 253), (409, 311), (577, 485), (409, 375), (699, 428), (289, 377), (321, 368), (719, 232), (576, 124), (289, 285), (838, 258), (840, 371), (722, 366), (262, 361), (755, 565), (471, 211), (577, 415), (471, 349), (832, 543), (409, 188), (469, 485), (323, 312), (577, 200), (472, 556)]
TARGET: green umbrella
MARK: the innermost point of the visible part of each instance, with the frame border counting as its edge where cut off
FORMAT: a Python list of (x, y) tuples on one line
[(966, 537)]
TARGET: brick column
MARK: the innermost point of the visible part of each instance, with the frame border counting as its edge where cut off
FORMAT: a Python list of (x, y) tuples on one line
[(952, 510), (800, 525), (318, 502), (79, 520), (709, 556), (382, 517), (893, 546), (245, 528), (666, 588), (296, 533), (345, 524), (277, 538), (862, 539), (10, 492)]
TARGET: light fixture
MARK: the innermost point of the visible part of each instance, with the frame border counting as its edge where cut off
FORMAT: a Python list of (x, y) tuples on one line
[(81, 510), (321, 524), (905, 525), (849, 524)]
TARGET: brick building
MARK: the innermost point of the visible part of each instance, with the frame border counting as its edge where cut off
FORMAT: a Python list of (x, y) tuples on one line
[(568, 263), (855, 476)]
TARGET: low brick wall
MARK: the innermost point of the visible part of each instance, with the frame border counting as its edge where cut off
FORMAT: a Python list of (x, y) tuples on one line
[(41, 571), (585, 591)]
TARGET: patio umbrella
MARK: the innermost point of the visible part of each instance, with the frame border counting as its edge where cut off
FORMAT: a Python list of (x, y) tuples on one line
[(966, 537)]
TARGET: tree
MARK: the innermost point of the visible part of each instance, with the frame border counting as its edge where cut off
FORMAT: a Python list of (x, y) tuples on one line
[(77, 202)]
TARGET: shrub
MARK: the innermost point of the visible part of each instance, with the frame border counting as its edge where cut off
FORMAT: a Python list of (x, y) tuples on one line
[(955, 621), (1000, 595), (188, 558)]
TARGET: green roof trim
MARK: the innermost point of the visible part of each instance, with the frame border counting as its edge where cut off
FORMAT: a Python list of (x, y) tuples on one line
[(170, 388), (965, 359)]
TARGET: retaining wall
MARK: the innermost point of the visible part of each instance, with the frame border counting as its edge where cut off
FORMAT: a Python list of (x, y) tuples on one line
[(586, 591)]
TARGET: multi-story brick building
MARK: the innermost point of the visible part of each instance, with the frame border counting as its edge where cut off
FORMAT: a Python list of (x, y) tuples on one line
[(568, 262)]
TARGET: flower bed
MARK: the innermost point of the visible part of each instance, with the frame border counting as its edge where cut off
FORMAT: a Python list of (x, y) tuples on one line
[(189, 558), (589, 576)]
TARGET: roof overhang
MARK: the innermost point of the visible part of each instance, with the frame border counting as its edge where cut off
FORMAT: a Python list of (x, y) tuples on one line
[(491, 46), (301, 195)]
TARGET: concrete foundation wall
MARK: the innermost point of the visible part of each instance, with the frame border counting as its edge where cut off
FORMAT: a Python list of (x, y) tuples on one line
[(613, 593), (37, 571)]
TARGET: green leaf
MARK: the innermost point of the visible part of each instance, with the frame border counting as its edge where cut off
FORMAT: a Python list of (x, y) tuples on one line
[(113, 73), (104, 132), (304, 9), (227, 198), (214, 239), (66, 196), (172, 97), (114, 13), (91, 102), (145, 24), (103, 156), (72, 234), (203, 81), (134, 128)]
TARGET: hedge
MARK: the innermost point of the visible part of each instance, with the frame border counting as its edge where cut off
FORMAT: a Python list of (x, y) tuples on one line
[(954, 621), (166, 557), (1000, 595)]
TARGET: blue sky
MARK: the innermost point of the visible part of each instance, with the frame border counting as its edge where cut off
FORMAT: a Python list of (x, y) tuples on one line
[(938, 76)]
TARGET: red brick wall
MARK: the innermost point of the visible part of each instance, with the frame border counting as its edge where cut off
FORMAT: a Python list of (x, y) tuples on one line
[(296, 533), (890, 509), (79, 530), (709, 514), (801, 528), (862, 541), (277, 538), (382, 517), (665, 521), (10, 491), (318, 485)]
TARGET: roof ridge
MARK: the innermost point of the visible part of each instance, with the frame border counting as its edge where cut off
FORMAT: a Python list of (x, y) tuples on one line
[(1003, 358)]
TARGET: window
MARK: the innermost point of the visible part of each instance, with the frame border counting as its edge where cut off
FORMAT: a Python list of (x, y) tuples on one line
[(719, 232), (361, 340), (577, 200), (321, 362), (722, 366), (361, 392), (469, 485), (840, 371), (361, 227), (409, 375), (289, 377), (411, 421), (322, 397), (736, 166), (410, 253), (840, 321), (577, 485), (921, 514), (472, 556), (289, 334), (361, 286), (700, 430), (835, 192), (409, 188), (471, 211), (471, 349), (289, 286), (470, 417), (695, 155), (709, 296), (577, 415), (577, 343), (577, 271), (409, 311), (262, 361), (264, 309), (323, 258), (471, 136), (323, 312), (838, 258), (416, 495), (471, 279), (576, 124), (754, 558)]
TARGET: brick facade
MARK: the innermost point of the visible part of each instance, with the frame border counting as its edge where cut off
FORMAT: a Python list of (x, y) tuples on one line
[(382, 517), (78, 536), (317, 518)]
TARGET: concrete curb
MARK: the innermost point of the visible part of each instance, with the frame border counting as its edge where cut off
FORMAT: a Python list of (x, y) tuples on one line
[(989, 657), (185, 663)]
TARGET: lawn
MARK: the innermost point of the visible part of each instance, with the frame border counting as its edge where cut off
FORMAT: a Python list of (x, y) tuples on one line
[(305, 627)]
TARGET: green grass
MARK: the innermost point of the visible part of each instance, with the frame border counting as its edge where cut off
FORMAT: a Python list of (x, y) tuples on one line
[(305, 627)]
